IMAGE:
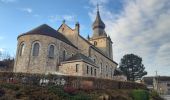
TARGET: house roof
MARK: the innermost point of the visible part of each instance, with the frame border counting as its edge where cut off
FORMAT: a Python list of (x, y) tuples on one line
[(117, 71), (163, 78), (80, 56), (148, 80), (44, 29)]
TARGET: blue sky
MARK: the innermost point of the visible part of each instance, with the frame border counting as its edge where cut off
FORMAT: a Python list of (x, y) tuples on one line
[(135, 26)]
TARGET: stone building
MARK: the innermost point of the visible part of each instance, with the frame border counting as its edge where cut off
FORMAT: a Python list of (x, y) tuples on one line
[(161, 84), (65, 51)]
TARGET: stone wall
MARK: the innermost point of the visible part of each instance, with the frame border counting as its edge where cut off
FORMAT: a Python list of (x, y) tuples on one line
[(41, 63), (84, 83), (69, 68), (100, 60)]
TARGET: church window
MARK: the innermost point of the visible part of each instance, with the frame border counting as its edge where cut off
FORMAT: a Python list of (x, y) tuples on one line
[(95, 72), (91, 70), (51, 51), (22, 47), (77, 67), (35, 49), (87, 69), (106, 71), (94, 60), (62, 29), (101, 68), (64, 55), (95, 43)]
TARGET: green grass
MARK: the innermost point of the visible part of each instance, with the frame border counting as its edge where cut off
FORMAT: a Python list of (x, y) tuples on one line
[(140, 95)]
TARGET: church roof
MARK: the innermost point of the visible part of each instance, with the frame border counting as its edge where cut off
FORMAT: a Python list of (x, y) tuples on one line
[(80, 56), (44, 29), (98, 22)]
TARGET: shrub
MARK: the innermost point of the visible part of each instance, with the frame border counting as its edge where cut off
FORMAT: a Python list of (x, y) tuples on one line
[(155, 96), (70, 90), (2, 92), (140, 95), (10, 86), (18, 94)]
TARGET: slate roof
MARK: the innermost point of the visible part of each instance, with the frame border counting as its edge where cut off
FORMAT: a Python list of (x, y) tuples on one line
[(80, 56), (117, 71), (44, 29), (98, 22), (149, 80)]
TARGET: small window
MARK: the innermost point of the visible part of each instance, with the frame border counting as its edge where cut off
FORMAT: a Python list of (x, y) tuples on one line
[(91, 70), (101, 68), (64, 55), (94, 60), (168, 84), (87, 69), (72, 54), (22, 47), (95, 43), (77, 67), (36, 47), (106, 71), (95, 72), (51, 51)]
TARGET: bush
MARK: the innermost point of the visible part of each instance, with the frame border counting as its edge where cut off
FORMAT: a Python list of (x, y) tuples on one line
[(140, 95), (2, 92), (155, 96), (18, 94), (10, 86), (70, 90)]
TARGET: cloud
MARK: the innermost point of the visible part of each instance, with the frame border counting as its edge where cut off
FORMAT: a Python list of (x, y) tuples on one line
[(70, 18), (1, 50), (28, 10), (141, 28), (8, 1)]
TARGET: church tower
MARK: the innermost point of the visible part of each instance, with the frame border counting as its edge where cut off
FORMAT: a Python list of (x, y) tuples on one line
[(99, 38)]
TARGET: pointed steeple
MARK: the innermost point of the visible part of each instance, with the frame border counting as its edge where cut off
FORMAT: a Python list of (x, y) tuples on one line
[(98, 25)]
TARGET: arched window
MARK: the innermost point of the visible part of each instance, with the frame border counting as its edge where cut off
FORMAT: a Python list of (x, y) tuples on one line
[(95, 43), (51, 51), (101, 68), (35, 50), (64, 55), (22, 47)]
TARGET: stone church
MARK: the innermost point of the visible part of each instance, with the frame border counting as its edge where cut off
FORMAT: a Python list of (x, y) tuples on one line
[(64, 51)]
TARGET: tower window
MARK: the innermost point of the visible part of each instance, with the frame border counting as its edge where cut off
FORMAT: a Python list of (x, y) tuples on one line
[(22, 47), (95, 43), (35, 49), (51, 51)]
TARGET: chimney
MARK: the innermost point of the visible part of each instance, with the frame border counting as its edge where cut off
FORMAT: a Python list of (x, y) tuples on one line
[(77, 28)]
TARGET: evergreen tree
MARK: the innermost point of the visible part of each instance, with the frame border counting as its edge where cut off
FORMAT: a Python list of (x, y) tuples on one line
[(131, 65)]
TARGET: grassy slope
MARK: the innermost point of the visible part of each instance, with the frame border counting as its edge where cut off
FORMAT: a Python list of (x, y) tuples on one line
[(23, 92)]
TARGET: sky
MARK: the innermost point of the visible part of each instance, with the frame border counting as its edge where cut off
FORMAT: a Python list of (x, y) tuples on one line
[(141, 27)]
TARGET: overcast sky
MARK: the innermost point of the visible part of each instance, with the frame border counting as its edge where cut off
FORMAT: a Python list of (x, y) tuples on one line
[(141, 27)]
